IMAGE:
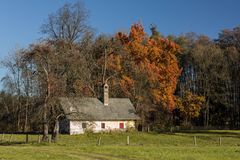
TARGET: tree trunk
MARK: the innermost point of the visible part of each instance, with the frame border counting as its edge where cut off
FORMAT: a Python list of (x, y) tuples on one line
[(26, 117), (45, 124), (18, 113), (18, 120), (55, 130), (206, 115), (104, 67), (45, 108), (186, 124)]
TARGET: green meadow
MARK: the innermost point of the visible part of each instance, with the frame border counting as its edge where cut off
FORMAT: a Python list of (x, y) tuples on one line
[(207, 145)]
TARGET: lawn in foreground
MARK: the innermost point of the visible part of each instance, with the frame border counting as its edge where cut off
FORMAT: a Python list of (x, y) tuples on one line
[(113, 147)]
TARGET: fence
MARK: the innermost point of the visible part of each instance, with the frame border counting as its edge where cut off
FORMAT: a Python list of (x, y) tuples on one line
[(127, 139)]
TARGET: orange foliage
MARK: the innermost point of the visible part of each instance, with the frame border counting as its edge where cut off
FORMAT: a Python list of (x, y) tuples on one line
[(115, 62), (156, 58), (127, 84)]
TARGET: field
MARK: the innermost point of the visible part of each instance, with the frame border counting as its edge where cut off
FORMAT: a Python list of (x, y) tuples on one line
[(143, 146)]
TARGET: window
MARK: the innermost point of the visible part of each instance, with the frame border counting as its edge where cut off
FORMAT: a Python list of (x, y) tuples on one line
[(84, 125), (121, 125), (103, 125)]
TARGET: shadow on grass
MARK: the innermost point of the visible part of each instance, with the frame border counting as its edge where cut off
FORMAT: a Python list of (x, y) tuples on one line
[(11, 143), (212, 132), (15, 143)]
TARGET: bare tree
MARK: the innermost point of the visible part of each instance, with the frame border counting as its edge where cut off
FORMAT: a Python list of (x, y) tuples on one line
[(13, 83), (68, 23)]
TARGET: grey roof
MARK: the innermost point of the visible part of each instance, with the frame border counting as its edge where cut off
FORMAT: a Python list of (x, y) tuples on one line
[(93, 109)]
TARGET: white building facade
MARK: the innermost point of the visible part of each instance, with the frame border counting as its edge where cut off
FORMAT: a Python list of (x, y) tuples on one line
[(79, 127), (94, 115)]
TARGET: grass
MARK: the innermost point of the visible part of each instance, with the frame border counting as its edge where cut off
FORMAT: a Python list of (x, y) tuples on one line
[(143, 146)]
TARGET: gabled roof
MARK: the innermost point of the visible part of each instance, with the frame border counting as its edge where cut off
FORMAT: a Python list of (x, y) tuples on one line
[(93, 109)]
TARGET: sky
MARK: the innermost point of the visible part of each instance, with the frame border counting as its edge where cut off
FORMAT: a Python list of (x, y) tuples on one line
[(20, 20)]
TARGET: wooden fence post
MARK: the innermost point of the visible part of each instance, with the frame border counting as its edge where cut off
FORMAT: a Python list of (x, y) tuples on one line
[(27, 138), (99, 141), (128, 141), (2, 139), (148, 128), (10, 139), (49, 139), (39, 140), (195, 140), (220, 141)]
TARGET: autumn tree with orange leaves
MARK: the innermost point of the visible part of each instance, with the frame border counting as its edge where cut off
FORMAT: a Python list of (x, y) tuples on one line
[(155, 57), (146, 69)]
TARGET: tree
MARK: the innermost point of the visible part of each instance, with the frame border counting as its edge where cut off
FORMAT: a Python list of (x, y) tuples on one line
[(68, 23), (154, 31), (40, 57), (145, 70), (205, 73), (229, 40), (189, 106), (55, 65), (13, 83), (157, 57)]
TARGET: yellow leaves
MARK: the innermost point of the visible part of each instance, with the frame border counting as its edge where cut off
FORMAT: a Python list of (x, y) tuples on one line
[(139, 98), (157, 96), (190, 105), (127, 85), (137, 50), (114, 62)]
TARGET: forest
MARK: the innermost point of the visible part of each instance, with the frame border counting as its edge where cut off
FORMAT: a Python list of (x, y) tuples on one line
[(187, 81)]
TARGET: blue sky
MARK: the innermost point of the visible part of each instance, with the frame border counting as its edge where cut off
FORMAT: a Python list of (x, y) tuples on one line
[(20, 20)]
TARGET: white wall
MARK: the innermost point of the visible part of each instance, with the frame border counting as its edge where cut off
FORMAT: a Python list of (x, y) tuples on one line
[(76, 127), (95, 126)]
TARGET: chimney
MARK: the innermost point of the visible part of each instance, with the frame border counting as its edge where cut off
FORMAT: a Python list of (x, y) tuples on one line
[(105, 94)]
